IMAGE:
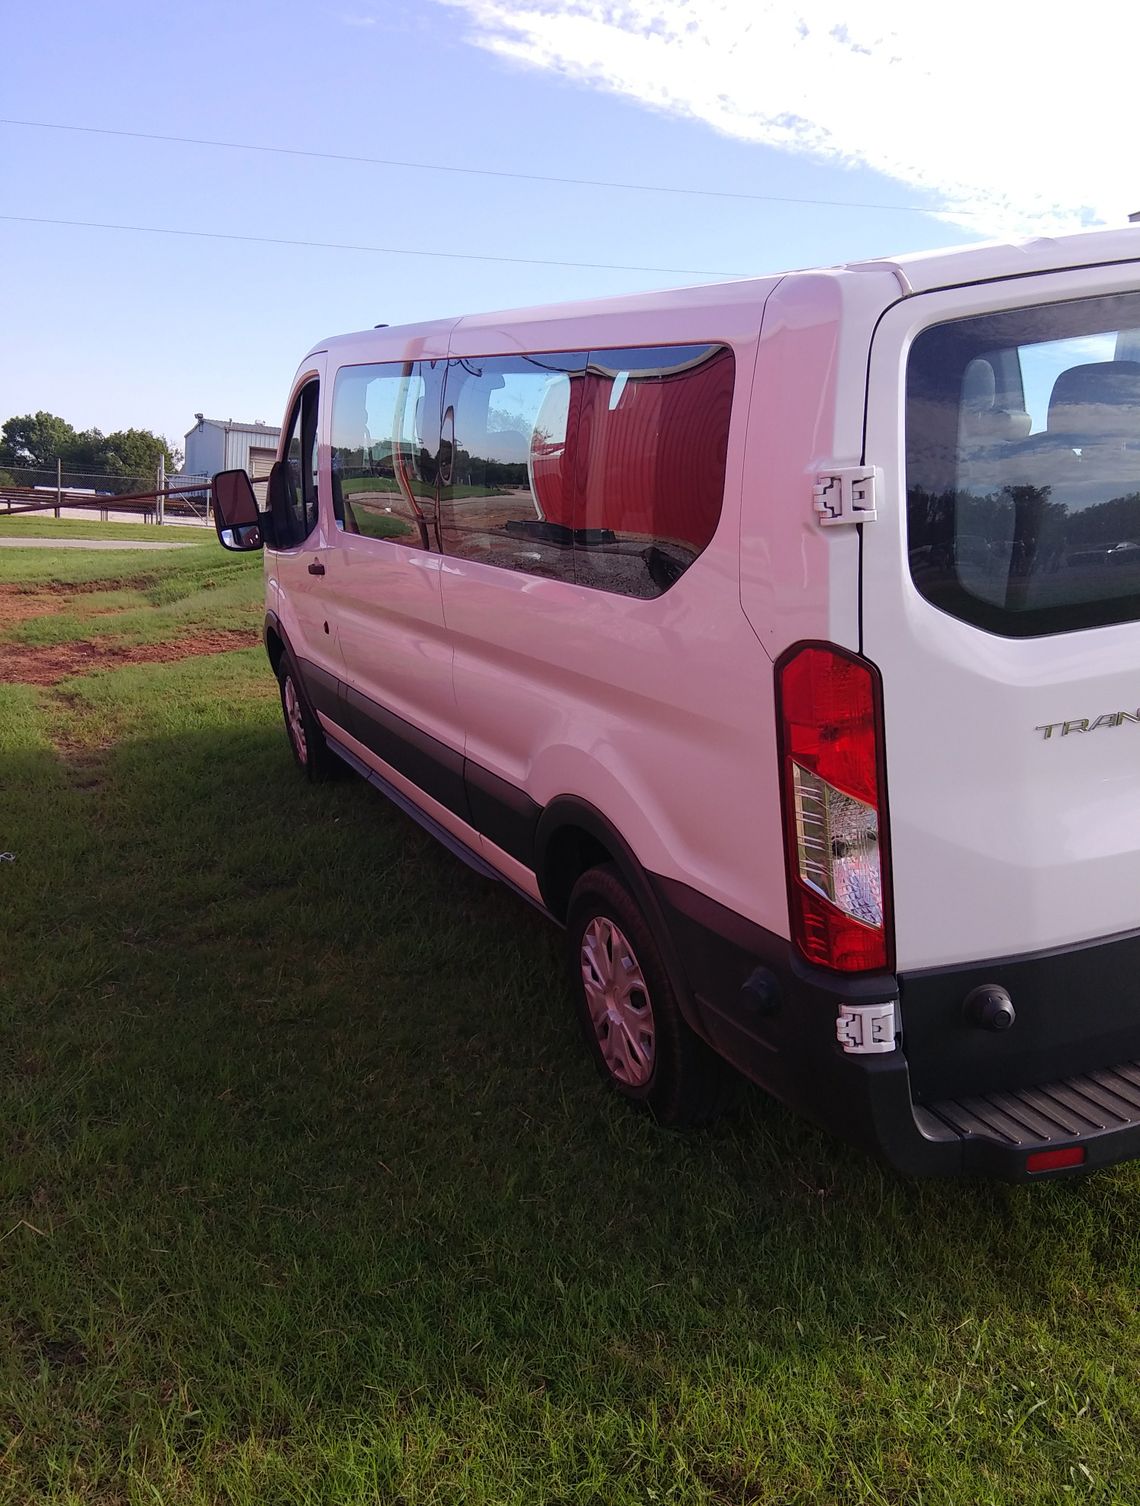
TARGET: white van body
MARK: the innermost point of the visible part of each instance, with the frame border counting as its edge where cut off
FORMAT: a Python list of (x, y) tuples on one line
[(579, 662)]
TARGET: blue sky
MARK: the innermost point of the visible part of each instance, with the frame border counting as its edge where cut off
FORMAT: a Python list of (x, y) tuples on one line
[(859, 106)]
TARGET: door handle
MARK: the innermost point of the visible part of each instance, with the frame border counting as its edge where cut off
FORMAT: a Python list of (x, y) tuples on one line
[(316, 568)]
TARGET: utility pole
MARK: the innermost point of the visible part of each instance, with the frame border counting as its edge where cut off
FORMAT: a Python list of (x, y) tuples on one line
[(160, 489), (58, 484)]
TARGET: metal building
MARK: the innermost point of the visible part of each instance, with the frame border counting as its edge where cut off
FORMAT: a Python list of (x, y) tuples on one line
[(220, 444)]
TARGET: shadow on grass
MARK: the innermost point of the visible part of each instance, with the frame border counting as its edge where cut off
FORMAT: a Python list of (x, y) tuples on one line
[(303, 1147)]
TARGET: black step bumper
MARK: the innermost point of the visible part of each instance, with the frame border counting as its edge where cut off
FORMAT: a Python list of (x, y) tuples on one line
[(1055, 1095)]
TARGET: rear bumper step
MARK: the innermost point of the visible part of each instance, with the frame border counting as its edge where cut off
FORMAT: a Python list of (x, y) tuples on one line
[(1098, 1110)]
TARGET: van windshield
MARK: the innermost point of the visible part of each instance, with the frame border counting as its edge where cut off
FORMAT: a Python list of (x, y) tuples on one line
[(1023, 466)]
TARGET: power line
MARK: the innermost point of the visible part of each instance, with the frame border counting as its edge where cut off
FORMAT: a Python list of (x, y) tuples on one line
[(480, 172), (273, 240)]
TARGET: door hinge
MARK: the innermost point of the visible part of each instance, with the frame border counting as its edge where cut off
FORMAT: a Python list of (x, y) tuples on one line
[(846, 494), (865, 1028)]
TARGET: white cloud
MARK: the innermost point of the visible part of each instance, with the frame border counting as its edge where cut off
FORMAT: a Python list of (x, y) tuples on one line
[(1006, 119)]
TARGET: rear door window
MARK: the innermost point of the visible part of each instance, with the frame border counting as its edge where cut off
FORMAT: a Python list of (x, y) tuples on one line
[(1023, 466)]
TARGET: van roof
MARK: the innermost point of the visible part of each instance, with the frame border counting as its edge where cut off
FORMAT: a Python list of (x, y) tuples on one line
[(914, 272), (988, 260)]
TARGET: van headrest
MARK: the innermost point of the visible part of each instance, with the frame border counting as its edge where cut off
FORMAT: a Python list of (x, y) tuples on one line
[(1102, 397), (982, 420)]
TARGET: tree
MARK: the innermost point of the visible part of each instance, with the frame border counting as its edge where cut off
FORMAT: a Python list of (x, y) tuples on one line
[(136, 452), (35, 439)]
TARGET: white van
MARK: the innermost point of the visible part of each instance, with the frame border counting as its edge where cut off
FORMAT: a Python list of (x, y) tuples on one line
[(781, 640)]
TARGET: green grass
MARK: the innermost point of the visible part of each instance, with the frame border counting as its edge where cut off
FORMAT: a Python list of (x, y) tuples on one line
[(310, 1194), (41, 567), (144, 598), (45, 526)]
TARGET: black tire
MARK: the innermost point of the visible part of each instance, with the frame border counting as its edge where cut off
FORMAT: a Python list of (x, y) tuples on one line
[(679, 1079), (311, 753)]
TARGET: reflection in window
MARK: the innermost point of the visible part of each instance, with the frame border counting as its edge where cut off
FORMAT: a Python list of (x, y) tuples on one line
[(1023, 466), (651, 449), (607, 470), (505, 490), (385, 429)]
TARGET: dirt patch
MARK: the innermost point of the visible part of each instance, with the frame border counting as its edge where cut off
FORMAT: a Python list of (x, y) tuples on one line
[(87, 587), (21, 604), (47, 665)]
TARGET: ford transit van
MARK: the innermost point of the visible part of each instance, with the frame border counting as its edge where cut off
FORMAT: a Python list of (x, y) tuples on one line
[(779, 639)]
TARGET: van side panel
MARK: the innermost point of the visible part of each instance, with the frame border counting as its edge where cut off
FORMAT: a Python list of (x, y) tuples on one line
[(656, 712), (799, 580)]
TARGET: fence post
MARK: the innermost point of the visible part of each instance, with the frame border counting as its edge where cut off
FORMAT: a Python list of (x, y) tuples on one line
[(160, 490), (58, 484)]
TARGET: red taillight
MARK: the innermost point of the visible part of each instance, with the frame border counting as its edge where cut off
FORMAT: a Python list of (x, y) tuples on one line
[(1054, 1160), (831, 754)]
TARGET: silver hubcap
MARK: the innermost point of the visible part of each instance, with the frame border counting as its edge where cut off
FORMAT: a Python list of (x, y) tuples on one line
[(618, 1001), (294, 720)]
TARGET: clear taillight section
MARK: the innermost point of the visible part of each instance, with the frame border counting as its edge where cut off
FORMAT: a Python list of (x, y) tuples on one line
[(837, 840), (834, 807)]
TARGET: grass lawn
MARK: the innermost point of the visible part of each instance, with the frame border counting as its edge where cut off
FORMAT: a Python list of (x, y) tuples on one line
[(310, 1194), (42, 525)]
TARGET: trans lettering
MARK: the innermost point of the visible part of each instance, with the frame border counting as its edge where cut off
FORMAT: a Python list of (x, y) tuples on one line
[(1083, 724)]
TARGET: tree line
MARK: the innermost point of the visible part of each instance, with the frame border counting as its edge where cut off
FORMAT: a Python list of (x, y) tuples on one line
[(31, 444)]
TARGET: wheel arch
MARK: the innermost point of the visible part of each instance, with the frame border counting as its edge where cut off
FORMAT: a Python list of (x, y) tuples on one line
[(572, 837), (276, 643)]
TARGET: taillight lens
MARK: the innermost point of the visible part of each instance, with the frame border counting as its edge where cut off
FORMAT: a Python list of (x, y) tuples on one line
[(830, 721)]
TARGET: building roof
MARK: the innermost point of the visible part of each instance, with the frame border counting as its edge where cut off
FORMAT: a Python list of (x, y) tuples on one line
[(231, 425)]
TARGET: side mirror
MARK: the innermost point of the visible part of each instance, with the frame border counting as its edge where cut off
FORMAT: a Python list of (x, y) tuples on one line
[(236, 515)]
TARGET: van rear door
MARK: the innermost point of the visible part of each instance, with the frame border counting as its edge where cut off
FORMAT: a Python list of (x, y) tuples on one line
[(1001, 602)]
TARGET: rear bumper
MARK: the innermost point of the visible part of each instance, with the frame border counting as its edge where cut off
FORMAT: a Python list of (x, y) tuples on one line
[(1094, 1113), (1049, 1084)]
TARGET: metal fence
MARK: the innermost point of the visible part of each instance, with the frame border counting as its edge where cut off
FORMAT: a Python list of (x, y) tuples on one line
[(70, 478), (27, 489)]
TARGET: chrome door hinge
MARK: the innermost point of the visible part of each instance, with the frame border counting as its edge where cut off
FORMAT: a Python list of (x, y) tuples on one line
[(865, 1028), (846, 494)]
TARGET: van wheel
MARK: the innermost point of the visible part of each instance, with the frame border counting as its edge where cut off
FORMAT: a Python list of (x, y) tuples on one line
[(311, 752), (629, 1011)]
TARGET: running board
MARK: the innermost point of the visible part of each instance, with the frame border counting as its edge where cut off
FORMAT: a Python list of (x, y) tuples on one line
[(446, 838)]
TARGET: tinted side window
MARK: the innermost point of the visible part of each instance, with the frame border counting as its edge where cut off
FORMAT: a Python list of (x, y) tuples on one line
[(649, 474), (385, 438), (295, 505), (505, 495)]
